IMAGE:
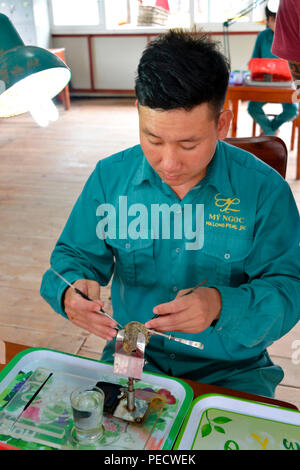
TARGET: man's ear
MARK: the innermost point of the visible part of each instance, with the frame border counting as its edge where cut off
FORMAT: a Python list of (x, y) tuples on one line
[(224, 123)]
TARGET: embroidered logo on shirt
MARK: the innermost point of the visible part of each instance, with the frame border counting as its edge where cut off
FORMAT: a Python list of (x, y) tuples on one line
[(226, 203), (225, 218)]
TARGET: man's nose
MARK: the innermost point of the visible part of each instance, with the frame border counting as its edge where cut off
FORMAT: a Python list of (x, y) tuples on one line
[(170, 160)]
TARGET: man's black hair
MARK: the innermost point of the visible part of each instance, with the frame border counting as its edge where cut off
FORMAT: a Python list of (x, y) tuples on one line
[(269, 13), (182, 70)]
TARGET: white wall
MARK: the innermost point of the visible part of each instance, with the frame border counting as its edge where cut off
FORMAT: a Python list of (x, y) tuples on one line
[(42, 24), (241, 47), (115, 58), (31, 20)]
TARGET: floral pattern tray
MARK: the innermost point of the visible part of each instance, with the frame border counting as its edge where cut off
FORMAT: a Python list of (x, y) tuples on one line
[(47, 422)]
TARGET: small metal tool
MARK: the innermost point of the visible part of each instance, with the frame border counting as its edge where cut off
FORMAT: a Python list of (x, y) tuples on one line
[(194, 344), (78, 291), (194, 288), (31, 400)]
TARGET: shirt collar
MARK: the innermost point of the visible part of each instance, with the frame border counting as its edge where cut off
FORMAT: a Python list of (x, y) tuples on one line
[(144, 172), (217, 173)]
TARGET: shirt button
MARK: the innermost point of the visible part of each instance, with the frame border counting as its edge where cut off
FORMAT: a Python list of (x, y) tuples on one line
[(227, 256), (172, 356), (178, 250), (127, 246), (175, 288)]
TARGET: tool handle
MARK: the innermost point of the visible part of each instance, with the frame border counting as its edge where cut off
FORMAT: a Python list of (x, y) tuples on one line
[(37, 392), (78, 291), (194, 288), (194, 344)]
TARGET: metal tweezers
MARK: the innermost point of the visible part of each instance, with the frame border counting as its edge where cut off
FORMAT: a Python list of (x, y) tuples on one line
[(194, 344)]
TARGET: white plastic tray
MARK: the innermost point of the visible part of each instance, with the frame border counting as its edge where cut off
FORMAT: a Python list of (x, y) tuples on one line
[(120, 435), (223, 423)]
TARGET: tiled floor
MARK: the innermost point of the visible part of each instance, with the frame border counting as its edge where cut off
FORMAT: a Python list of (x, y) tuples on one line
[(42, 171)]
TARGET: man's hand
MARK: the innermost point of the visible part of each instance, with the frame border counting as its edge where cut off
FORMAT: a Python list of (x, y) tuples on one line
[(83, 313), (190, 313)]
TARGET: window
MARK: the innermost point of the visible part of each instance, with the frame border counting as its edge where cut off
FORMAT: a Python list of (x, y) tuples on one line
[(76, 12), (214, 11), (133, 14), (120, 13)]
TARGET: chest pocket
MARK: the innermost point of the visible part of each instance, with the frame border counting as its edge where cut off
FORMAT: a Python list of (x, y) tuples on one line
[(227, 254), (135, 260)]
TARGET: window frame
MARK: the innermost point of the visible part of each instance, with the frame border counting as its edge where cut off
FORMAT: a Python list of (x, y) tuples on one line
[(77, 29), (249, 26)]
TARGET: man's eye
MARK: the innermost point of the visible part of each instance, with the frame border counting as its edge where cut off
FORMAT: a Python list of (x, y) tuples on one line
[(189, 148), (154, 143)]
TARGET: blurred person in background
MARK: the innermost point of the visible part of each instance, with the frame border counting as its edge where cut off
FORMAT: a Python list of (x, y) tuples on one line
[(262, 50)]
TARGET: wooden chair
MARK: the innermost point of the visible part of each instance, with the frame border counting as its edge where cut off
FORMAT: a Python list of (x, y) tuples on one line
[(270, 149)]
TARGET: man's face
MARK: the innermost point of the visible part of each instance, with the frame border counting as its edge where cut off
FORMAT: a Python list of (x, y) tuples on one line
[(271, 22), (179, 144)]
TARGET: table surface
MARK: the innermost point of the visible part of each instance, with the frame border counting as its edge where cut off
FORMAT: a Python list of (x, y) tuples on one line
[(235, 93), (199, 388), (276, 91), (268, 94)]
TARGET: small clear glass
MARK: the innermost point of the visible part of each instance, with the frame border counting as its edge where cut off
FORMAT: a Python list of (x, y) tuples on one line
[(87, 407)]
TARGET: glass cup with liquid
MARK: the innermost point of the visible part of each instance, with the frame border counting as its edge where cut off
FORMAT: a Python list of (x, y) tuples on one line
[(87, 407)]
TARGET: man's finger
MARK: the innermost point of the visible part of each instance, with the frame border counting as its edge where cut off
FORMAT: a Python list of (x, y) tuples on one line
[(90, 288), (183, 292), (175, 306), (77, 303), (94, 323), (101, 331), (164, 323), (94, 290), (176, 322)]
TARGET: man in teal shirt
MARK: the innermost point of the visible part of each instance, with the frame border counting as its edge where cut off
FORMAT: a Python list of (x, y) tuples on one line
[(262, 50), (181, 208)]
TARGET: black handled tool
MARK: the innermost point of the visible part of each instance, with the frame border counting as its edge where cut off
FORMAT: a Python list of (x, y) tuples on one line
[(31, 399), (78, 291)]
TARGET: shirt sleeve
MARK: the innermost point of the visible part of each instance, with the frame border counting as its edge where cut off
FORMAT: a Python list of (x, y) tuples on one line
[(266, 307), (286, 43), (79, 253)]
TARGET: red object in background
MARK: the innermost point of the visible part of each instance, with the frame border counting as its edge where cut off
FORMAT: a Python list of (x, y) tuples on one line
[(162, 4), (270, 70), (7, 447)]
